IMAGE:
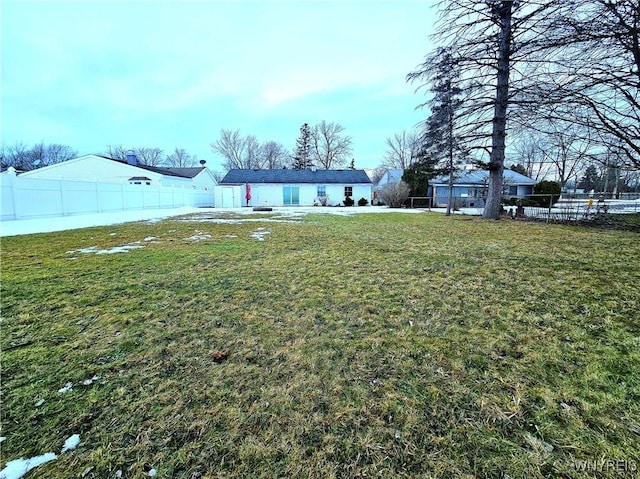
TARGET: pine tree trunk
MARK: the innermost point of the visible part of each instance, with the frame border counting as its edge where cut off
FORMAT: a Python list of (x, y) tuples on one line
[(492, 205)]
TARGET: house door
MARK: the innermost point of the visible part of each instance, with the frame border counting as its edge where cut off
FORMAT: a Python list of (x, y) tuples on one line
[(291, 195)]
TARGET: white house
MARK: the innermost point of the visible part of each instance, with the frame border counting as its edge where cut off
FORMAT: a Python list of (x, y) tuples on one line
[(95, 184), (289, 187), (470, 187), (108, 170)]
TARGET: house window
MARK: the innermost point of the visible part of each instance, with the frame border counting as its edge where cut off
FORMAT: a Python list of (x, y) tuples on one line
[(322, 191), (513, 191), (348, 191)]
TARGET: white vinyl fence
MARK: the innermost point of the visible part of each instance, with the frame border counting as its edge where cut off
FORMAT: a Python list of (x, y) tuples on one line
[(24, 198)]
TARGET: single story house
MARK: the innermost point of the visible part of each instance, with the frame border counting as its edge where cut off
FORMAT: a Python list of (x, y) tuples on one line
[(289, 187), (109, 170), (470, 188)]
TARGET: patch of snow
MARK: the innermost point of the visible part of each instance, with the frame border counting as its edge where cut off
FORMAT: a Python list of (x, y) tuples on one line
[(90, 249), (62, 223), (67, 387), (113, 234), (71, 443), (115, 249), (230, 236), (119, 249), (152, 472), (19, 467), (150, 238), (260, 234), (2, 438), (88, 382), (199, 236), (40, 402)]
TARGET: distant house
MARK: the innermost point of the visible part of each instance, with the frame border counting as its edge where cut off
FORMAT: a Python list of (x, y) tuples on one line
[(470, 188), (109, 170), (289, 187), (391, 175)]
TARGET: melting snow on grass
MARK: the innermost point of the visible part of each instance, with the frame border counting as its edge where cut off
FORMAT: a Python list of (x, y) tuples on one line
[(260, 234), (19, 467), (66, 388), (115, 249), (71, 443), (199, 236), (88, 382)]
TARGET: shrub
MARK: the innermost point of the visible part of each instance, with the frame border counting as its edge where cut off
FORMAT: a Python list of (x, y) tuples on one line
[(363, 202), (395, 194), (547, 188), (348, 201)]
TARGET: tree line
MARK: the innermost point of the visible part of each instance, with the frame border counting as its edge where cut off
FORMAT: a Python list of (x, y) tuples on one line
[(552, 84), (25, 158), (324, 146)]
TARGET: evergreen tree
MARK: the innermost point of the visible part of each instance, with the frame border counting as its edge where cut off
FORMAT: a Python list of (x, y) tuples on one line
[(302, 154), (418, 174), (442, 151), (590, 180)]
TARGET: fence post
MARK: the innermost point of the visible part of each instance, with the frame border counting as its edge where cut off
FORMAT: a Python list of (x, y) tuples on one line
[(13, 182), (550, 204)]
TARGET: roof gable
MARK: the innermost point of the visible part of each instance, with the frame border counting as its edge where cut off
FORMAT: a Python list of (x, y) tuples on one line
[(296, 176)]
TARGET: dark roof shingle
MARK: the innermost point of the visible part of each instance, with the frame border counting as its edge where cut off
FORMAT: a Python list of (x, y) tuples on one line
[(296, 176), (179, 172)]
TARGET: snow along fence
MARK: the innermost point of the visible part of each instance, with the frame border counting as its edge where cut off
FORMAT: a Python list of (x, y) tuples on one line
[(23, 198)]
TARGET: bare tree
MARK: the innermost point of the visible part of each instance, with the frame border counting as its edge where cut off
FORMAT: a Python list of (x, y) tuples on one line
[(594, 80), (494, 44), (230, 146), (116, 152), (239, 152), (401, 150), (529, 152), (149, 156), (377, 174), (25, 158), (274, 156), (144, 155), (329, 146), (180, 158), (568, 149)]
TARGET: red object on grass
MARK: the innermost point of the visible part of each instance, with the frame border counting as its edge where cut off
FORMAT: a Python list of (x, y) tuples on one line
[(248, 195)]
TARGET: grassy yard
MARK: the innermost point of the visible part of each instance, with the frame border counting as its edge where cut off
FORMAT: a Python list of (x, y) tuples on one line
[(377, 346)]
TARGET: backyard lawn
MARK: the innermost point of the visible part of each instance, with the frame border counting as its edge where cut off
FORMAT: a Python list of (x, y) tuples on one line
[(366, 346)]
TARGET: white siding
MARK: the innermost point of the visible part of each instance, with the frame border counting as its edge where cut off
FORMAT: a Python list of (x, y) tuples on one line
[(271, 194)]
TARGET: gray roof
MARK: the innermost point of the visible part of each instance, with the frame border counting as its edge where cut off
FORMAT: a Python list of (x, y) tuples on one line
[(345, 177), (167, 171), (481, 177), (392, 175)]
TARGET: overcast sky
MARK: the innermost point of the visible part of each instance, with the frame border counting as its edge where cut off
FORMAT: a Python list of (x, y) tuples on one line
[(173, 73)]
